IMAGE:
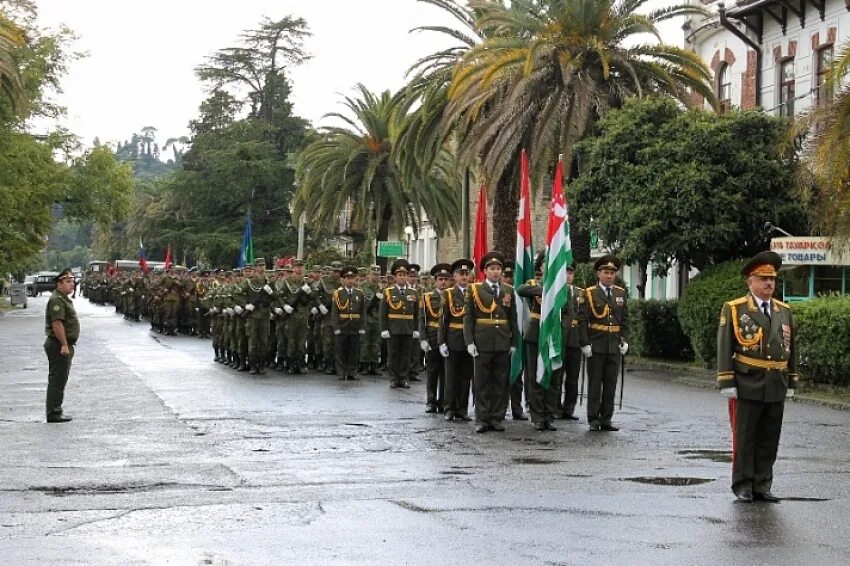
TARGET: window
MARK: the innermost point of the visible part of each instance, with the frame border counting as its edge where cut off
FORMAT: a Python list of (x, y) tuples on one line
[(828, 279), (724, 87), (824, 62), (786, 88), (796, 281)]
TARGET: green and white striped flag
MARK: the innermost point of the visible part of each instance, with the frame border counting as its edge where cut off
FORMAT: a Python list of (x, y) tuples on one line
[(556, 292), (524, 264)]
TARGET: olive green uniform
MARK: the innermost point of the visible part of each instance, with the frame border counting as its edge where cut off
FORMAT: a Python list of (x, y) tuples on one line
[(59, 307)]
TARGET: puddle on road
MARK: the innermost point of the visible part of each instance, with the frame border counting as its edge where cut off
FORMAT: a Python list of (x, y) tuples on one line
[(671, 481), (722, 456), (533, 460), (805, 499), (455, 473)]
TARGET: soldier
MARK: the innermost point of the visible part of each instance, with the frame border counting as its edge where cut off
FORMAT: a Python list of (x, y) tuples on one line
[(171, 305), (280, 317), (458, 362), (399, 314), (325, 296), (314, 333), (607, 314), (757, 371), (299, 300), (542, 403), (370, 347), (63, 330), (576, 346), (489, 327), (416, 355), (348, 318), (200, 308), (240, 336), (515, 389), (429, 330), (258, 298)]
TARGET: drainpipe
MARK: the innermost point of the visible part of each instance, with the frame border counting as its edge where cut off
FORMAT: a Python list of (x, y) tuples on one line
[(724, 21)]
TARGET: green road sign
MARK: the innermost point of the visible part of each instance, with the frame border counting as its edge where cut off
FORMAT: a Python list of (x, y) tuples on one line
[(390, 248)]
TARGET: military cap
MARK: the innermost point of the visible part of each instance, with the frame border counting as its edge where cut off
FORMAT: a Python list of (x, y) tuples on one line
[(316, 267), (362, 271), (193, 269), (336, 266), (763, 264), (508, 267), (491, 258), (327, 268), (205, 273), (571, 266), (348, 270), (64, 274), (286, 267), (297, 263), (228, 273), (538, 261), (414, 268), (376, 269), (260, 261), (608, 261), (442, 270), (399, 265), (463, 264)]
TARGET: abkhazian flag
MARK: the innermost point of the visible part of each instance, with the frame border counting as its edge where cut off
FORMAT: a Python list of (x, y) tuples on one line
[(246, 251), (556, 292), (524, 264)]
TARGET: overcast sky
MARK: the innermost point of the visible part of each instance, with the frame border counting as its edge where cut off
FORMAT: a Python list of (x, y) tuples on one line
[(142, 53)]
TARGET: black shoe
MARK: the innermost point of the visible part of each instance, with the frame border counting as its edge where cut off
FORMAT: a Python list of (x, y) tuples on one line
[(353, 377), (342, 377), (479, 428), (610, 428), (550, 424), (430, 408), (520, 417), (59, 419), (464, 418), (404, 385), (569, 417), (540, 427), (414, 378), (745, 496), (765, 496), (497, 426), (393, 385), (450, 415), (595, 426)]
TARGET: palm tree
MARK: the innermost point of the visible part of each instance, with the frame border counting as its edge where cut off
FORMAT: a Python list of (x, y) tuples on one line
[(11, 85), (544, 72), (830, 157), (356, 166)]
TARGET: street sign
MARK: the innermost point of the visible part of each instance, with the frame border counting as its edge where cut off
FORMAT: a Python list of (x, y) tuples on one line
[(390, 248)]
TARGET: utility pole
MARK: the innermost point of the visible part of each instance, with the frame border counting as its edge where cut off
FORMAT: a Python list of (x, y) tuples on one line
[(301, 223)]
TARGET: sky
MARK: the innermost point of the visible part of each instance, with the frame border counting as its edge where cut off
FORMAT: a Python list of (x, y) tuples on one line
[(141, 55)]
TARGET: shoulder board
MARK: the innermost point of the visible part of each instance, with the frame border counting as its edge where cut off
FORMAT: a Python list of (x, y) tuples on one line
[(781, 304), (531, 282), (740, 301), (618, 287), (452, 288), (591, 288), (579, 290)]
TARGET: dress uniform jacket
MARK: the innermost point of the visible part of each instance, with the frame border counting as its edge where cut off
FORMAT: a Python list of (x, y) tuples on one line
[(429, 318), (607, 320), (450, 331), (490, 323), (573, 327), (348, 311), (399, 310), (754, 353)]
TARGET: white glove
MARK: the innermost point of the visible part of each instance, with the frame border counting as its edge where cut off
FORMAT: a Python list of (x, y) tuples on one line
[(624, 347), (361, 332), (213, 310), (238, 309), (131, 289), (272, 316), (288, 309), (513, 349), (587, 351), (416, 334), (385, 334), (197, 309), (323, 309), (427, 348), (249, 307), (473, 351), (444, 350), (729, 392), (314, 311), (337, 332), (268, 289), (278, 311), (789, 394), (306, 288)]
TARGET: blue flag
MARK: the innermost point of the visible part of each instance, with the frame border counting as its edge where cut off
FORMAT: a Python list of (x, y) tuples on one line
[(246, 253)]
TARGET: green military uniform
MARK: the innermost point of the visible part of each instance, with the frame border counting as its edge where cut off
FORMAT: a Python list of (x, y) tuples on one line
[(399, 313), (489, 327), (370, 344), (458, 362), (325, 296), (542, 403), (756, 365), (429, 330), (607, 314), (314, 324), (59, 308), (258, 299), (299, 300), (348, 319), (238, 332), (574, 332)]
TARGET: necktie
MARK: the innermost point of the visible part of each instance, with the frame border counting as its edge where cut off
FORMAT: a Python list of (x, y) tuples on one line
[(495, 290), (765, 309), (608, 292)]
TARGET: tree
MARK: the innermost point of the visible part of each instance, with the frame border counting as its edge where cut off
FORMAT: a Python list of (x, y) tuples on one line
[(11, 84), (663, 184), (355, 167)]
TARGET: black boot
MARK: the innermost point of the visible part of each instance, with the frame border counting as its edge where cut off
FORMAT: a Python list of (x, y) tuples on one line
[(243, 363), (217, 358), (237, 362)]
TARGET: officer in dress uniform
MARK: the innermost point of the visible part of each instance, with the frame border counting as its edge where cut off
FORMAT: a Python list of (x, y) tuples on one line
[(348, 317), (370, 347), (576, 345), (458, 362), (416, 355), (520, 386), (429, 326), (489, 327), (399, 314), (63, 330), (607, 315), (757, 371)]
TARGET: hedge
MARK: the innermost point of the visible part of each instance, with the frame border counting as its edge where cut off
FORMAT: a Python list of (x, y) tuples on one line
[(823, 339), (655, 331), (700, 304)]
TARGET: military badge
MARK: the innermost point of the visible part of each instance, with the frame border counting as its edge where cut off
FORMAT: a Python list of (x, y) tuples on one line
[(722, 320), (786, 336), (55, 308), (619, 301), (506, 300), (411, 298), (745, 318)]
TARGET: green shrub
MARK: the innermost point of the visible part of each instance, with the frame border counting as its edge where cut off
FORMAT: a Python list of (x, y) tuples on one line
[(823, 339), (700, 304), (655, 331)]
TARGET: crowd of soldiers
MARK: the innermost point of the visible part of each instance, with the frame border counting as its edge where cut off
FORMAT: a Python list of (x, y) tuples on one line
[(347, 321)]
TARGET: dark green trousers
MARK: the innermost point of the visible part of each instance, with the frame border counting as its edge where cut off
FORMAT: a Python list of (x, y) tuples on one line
[(757, 429), (59, 367), (491, 386)]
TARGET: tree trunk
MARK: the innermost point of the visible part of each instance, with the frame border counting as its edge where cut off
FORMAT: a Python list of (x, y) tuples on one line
[(505, 211), (642, 279)]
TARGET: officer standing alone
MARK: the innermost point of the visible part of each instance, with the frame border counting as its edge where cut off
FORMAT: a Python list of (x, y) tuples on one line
[(63, 330)]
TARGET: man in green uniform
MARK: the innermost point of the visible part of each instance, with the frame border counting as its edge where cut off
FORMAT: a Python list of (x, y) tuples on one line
[(576, 346), (258, 296), (399, 314), (520, 386), (757, 371), (240, 300), (348, 318), (489, 327), (458, 362), (370, 350), (429, 329), (416, 355), (325, 296), (314, 322), (299, 299), (63, 330), (606, 311), (542, 403)]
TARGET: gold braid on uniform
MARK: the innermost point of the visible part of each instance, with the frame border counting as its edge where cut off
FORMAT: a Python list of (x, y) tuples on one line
[(605, 311), (739, 335), (457, 313), (388, 293), (533, 283), (341, 307), (477, 298), (427, 297)]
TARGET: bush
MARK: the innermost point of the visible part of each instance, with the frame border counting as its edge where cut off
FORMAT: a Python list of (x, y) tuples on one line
[(656, 332), (823, 339), (700, 304)]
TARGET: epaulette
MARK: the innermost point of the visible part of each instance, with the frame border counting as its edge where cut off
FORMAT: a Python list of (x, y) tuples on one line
[(618, 287), (591, 288), (740, 301), (781, 304), (531, 282)]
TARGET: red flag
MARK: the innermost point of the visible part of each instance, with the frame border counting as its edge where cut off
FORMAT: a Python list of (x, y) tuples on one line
[(168, 258), (480, 233)]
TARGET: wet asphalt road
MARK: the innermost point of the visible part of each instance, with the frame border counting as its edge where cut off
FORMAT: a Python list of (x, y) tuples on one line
[(174, 459)]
